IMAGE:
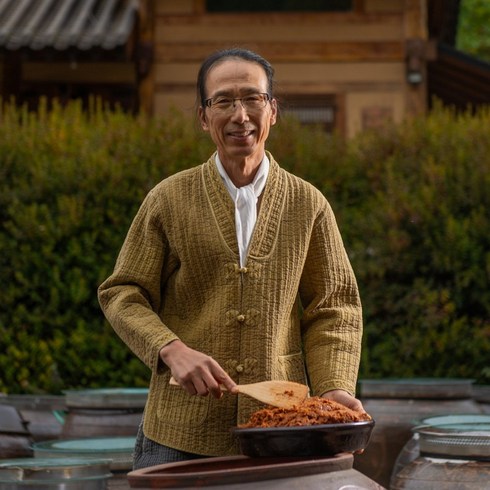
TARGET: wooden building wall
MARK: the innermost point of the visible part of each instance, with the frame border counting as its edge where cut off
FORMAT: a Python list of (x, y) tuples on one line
[(354, 61)]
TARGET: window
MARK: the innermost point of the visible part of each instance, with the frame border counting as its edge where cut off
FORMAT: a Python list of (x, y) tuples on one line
[(280, 6), (319, 110)]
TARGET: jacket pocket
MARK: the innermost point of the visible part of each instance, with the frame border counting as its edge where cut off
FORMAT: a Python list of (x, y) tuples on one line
[(177, 408)]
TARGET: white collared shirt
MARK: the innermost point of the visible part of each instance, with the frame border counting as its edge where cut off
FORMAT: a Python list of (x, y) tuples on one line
[(245, 199)]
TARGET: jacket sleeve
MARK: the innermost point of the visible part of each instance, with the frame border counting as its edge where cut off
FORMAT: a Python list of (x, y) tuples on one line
[(130, 298), (332, 313)]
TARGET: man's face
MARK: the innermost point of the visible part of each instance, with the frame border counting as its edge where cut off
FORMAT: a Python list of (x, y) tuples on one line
[(238, 133)]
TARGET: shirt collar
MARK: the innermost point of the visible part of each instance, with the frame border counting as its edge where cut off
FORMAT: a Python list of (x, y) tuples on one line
[(257, 184)]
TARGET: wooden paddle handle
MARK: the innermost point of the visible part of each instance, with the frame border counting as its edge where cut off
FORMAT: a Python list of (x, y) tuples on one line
[(173, 382)]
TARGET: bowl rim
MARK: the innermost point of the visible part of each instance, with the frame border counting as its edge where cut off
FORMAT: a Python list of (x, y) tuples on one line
[(303, 428)]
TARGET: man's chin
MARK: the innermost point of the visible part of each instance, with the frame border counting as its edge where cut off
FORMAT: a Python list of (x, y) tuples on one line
[(243, 151)]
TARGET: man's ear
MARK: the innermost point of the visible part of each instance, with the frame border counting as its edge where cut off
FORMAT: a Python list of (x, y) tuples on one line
[(273, 112), (202, 119)]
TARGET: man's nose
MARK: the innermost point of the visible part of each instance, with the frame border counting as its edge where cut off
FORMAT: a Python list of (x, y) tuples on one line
[(241, 113)]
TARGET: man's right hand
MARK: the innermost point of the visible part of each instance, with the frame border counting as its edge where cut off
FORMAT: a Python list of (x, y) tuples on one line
[(196, 372)]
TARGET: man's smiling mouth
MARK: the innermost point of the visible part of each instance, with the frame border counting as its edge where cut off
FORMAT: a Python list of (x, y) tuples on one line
[(241, 134)]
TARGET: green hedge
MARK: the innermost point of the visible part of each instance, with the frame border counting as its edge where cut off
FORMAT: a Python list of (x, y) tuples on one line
[(412, 202), (420, 243)]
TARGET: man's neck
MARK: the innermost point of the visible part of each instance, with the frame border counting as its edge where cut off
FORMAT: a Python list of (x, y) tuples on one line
[(241, 172)]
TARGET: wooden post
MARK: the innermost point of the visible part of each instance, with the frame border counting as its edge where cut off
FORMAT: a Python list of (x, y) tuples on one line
[(415, 28), (144, 57)]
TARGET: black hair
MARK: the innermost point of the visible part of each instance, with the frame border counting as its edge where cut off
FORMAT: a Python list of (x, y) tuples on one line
[(226, 54)]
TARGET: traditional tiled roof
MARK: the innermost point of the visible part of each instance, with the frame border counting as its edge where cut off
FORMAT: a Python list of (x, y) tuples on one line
[(64, 24)]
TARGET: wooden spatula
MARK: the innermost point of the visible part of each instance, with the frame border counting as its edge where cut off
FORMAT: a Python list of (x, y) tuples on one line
[(284, 394)]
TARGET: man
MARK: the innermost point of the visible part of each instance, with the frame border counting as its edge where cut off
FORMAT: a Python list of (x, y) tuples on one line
[(232, 272)]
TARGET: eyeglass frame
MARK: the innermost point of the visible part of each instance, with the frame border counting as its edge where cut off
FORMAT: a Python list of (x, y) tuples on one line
[(268, 98)]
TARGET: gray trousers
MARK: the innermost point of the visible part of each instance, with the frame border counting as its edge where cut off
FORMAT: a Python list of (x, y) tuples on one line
[(149, 453)]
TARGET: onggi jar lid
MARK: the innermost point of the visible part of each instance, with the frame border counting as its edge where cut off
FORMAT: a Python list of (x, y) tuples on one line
[(119, 450), (469, 440), (455, 421), (418, 388), (44, 470), (107, 398)]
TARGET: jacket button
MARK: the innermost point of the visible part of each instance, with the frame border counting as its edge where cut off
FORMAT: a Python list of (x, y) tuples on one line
[(240, 318), (239, 368)]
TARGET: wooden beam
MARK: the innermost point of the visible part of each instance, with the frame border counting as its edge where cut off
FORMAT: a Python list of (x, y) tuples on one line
[(314, 88), (301, 73), (234, 29), (278, 18), (289, 51), (79, 72)]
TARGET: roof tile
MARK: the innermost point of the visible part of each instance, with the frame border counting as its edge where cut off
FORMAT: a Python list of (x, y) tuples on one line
[(64, 24)]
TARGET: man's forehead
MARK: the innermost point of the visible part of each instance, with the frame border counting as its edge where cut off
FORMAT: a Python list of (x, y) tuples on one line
[(234, 75), (239, 70)]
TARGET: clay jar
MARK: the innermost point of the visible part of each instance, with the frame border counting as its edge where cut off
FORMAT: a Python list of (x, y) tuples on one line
[(481, 393), (43, 414), (243, 473), (397, 405), (104, 412), (15, 439), (454, 455)]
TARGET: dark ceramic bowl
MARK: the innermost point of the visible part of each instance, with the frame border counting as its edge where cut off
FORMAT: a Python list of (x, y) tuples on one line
[(311, 440)]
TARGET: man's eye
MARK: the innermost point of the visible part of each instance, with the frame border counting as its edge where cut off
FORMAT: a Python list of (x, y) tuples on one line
[(223, 101), (252, 99)]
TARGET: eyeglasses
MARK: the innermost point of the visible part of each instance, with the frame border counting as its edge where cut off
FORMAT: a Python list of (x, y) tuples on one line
[(251, 103)]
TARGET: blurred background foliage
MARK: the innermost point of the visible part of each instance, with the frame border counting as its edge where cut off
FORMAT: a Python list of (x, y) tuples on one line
[(412, 202), (474, 28)]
